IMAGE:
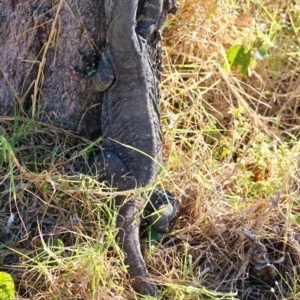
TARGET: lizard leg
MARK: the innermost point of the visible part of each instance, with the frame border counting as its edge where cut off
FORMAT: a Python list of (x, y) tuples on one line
[(147, 19), (161, 210), (99, 74), (108, 166), (102, 78)]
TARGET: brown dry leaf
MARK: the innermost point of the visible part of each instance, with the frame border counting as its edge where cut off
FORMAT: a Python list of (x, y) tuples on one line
[(244, 20)]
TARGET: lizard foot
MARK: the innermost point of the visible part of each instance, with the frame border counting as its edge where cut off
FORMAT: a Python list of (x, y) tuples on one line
[(145, 287), (161, 210), (99, 72), (90, 65), (171, 6)]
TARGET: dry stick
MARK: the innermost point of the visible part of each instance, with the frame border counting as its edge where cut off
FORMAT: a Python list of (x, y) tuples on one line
[(38, 81), (24, 173)]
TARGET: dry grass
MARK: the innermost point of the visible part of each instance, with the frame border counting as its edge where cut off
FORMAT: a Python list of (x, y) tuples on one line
[(231, 154)]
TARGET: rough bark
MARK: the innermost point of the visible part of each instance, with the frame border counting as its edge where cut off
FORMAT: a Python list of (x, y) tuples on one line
[(38, 49)]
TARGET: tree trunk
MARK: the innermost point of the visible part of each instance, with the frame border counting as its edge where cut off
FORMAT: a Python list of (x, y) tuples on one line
[(38, 50)]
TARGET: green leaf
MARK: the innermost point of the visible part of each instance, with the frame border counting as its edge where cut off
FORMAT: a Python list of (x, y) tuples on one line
[(153, 236), (7, 287), (58, 243), (2, 150), (239, 56), (258, 43), (260, 54)]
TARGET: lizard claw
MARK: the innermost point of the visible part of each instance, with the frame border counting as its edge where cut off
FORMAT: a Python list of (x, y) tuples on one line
[(172, 6), (89, 66), (84, 58), (80, 72)]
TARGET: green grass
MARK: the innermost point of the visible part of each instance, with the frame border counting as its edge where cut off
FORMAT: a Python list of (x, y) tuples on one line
[(231, 157)]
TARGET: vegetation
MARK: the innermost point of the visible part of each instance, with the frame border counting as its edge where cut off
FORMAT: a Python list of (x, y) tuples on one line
[(230, 117)]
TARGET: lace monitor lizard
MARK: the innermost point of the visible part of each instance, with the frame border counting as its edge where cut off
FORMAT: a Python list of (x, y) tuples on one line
[(130, 122)]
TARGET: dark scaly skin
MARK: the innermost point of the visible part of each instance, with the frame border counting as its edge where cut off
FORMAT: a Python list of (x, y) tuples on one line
[(137, 110), (130, 124), (146, 21)]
